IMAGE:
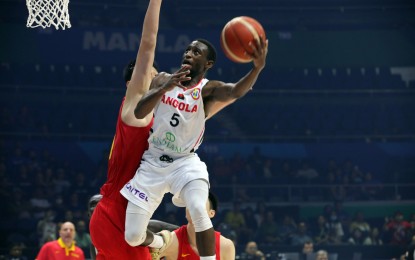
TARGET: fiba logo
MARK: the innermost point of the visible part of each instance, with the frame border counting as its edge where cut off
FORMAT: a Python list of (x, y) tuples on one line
[(196, 93)]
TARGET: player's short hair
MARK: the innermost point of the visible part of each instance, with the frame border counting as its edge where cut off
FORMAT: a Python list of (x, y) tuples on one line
[(213, 201), (128, 70), (92, 203), (211, 49)]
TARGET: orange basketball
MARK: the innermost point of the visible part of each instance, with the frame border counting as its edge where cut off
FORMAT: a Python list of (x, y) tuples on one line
[(236, 36)]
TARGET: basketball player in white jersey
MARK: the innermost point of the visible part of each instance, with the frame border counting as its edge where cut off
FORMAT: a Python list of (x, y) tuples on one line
[(181, 105)]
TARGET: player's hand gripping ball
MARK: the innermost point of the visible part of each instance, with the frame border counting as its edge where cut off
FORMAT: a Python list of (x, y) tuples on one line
[(236, 36)]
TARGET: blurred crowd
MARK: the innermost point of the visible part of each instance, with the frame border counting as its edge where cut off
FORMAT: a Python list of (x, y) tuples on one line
[(40, 191)]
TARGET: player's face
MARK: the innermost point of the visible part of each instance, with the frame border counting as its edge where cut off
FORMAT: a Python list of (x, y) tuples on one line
[(67, 232), (195, 56)]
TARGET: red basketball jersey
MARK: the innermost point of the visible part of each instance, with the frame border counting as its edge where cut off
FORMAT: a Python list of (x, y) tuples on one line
[(185, 250), (107, 224), (127, 148)]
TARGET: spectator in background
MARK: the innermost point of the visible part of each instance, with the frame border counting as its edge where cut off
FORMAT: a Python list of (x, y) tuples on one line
[(320, 231), (360, 223), (222, 169), (397, 229), (409, 252), (82, 238), (75, 203), (306, 173), (61, 183), (48, 178), (256, 160), (308, 249), (301, 236), (80, 186), (252, 252), (251, 225), (322, 255), (373, 239), (39, 203), (260, 212), (371, 188), (287, 175), (267, 170), (248, 175), (235, 218), (331, 165), (357, 237), (237, 162), (333, 239), (336, 226), (411, 232), (287, 229), (64, 246), (16, 253), (268, 230), (226, 231), (47, 228)]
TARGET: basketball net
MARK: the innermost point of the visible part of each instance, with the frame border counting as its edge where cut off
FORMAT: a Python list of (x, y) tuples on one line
[(46, 13)]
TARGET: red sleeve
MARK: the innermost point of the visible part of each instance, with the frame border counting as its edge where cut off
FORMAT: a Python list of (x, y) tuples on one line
[(44, 252), (81, 253)]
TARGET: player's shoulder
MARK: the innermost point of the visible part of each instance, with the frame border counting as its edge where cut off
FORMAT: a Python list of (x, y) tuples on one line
[(226, 242), (227, 248), (213, 83)]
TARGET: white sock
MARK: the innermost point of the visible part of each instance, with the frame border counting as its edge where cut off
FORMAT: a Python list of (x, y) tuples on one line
[(213, 257), (157, 243)]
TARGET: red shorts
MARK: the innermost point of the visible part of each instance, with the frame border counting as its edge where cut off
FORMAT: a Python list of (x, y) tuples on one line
[(107, 227)]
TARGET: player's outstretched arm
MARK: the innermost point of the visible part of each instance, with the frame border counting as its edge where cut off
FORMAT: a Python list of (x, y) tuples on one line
[(141, 77), (157, 226), (225, 92)]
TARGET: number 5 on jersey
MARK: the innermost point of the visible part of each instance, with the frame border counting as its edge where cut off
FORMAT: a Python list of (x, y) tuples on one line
[(174, 121)]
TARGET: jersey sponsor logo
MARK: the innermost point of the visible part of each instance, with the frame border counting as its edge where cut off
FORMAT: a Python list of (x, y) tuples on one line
[(170, 137), (75, 255), (196, 93), (182, 106), (167, 142), (135, 192)]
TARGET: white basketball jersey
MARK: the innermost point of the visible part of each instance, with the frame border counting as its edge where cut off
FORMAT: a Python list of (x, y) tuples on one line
[(179, 121)]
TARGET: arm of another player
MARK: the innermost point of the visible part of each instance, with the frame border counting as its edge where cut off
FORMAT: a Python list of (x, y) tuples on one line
[(225, 92), (161, 83), (172, 251), (227, 249), (92, 251), (141, 77), (157, 226)]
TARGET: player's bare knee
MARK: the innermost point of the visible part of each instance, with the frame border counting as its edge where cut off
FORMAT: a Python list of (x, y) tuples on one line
[(134, 238)]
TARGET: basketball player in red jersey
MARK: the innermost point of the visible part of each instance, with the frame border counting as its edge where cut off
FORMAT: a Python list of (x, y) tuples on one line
[(107, 223), (183, 245)]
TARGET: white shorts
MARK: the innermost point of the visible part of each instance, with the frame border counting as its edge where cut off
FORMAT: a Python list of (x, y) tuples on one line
[(154, 178)]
